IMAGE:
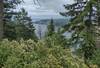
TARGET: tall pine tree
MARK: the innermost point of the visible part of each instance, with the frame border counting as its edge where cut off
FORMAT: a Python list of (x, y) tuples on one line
[(51, 28), (10, 17), (83, 25), (6, 8), (21, 27), (25, 22)]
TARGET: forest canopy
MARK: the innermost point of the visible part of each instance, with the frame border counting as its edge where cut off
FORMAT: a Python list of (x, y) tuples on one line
[(20, 46)]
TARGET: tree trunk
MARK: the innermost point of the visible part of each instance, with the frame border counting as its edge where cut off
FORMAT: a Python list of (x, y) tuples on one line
[(1, 19), (98, 28)]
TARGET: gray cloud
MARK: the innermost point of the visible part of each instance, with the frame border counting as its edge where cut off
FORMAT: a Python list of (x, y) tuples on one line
[(56, 5), (47, 8)]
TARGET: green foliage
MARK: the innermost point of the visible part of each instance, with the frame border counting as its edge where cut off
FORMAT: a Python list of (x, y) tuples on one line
[(83, 26), (8, 15), (17, 25), (96, 59), (9, 6), (28, 54), (24, 26), (57, 39), (20, 27), (51, 28)]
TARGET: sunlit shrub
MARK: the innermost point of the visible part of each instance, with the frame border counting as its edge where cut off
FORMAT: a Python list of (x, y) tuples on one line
[(29, 54)]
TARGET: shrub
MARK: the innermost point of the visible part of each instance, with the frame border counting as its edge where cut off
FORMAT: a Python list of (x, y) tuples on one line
[(29, 54)]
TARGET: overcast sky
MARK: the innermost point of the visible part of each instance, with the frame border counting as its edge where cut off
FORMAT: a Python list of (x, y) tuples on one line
[(47, 8)]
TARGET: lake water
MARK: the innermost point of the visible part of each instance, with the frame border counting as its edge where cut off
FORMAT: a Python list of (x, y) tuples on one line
[(41, 26), (41, 29)]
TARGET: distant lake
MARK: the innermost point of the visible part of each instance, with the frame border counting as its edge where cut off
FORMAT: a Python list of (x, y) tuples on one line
[(41, 26), (40, 30)]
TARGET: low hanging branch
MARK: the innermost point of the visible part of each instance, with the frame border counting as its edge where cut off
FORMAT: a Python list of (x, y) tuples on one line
[(36, 2)]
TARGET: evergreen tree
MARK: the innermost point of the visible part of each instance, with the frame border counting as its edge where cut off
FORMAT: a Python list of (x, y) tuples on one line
[(10, 18), (83, 26), (55, 36), (57, 39), (21, 27), (30, 30), (51, 28), (9, 6)]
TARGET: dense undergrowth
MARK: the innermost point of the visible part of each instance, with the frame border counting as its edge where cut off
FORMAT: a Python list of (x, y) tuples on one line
[(30, 54)]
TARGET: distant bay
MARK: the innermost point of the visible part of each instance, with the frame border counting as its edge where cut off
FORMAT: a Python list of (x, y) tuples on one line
[(41, 25)]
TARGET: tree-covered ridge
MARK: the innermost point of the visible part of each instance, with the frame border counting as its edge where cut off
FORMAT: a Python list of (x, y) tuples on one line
[(29, 54)]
